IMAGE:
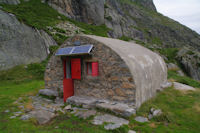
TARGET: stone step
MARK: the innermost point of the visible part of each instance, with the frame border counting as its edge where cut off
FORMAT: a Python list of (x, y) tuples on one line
[(118, 108)]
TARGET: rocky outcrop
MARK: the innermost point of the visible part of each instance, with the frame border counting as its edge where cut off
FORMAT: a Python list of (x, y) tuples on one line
[(89, 11), (20, 44), (11, 2), (146, 3), (190, 62)]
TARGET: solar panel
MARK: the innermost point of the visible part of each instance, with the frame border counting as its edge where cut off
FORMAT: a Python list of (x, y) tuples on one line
[(64, 51), (84, 49)]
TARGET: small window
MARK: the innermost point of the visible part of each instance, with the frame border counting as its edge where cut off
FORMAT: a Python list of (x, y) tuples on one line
[(93, 69)]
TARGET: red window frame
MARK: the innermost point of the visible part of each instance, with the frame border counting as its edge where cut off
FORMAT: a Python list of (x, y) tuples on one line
[(94, 69)]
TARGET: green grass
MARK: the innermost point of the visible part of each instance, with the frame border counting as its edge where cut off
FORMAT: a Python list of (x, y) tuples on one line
[(183, 79), (35, 14), (125, 38), (100, 30), (181, 113), (59, 38), (170, 53)]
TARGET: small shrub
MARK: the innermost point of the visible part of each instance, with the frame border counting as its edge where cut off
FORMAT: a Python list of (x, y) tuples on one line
[(156, 40), (53, 49), (37, 69), (170, 53), (59, 30), (125, 38), (59, 38), (109, 18)]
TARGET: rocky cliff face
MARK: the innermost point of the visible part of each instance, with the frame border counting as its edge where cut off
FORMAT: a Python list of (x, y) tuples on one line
[(146, 3), (136, 19), (89, 11), (11, 2), (20, 44)]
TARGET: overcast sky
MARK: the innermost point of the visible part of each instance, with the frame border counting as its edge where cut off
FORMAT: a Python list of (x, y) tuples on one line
[(186, 12)]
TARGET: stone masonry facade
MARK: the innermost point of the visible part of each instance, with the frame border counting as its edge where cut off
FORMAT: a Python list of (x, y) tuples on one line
[(115, 81)]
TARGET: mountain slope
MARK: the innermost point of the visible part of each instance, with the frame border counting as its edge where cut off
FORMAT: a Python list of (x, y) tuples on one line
[(138, 19)]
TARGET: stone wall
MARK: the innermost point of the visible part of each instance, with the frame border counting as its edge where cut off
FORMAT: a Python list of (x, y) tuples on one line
[(115, 82)]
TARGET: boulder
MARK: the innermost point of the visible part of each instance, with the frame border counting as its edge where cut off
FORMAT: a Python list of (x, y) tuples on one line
[(21, 44), (48, 92), (122, 109), (42, 116), (183, 87), (25, 117), (113, 121), (85, 114), (172, 66), (141, 119), (190, 61)]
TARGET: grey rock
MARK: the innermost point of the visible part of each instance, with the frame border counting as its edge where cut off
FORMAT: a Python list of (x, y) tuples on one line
[(112, 126), (12, 117), (152, 110), (150, 116), (7, 111), (81, 101), (118, 108), (21, 107), (189, 59), (172, 66), (141, 119), (25, 117), (59, 101), (84, 10), (131, 131), (68, 107), (100, 119), (10, 2), (157, 112), (42, 116), (20, 44), (129, 112), (48, 92), (180, 73), (85, 114), (183, 87), (17, 113), (56, 127), (166, 85)]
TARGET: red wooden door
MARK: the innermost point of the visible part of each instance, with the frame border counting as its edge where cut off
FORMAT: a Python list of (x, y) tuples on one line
[(68, 88), (76, 68)]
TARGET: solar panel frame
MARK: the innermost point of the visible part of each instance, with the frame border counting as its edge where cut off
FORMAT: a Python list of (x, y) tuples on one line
[(64, 51), (76, 50), (82, 49)]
